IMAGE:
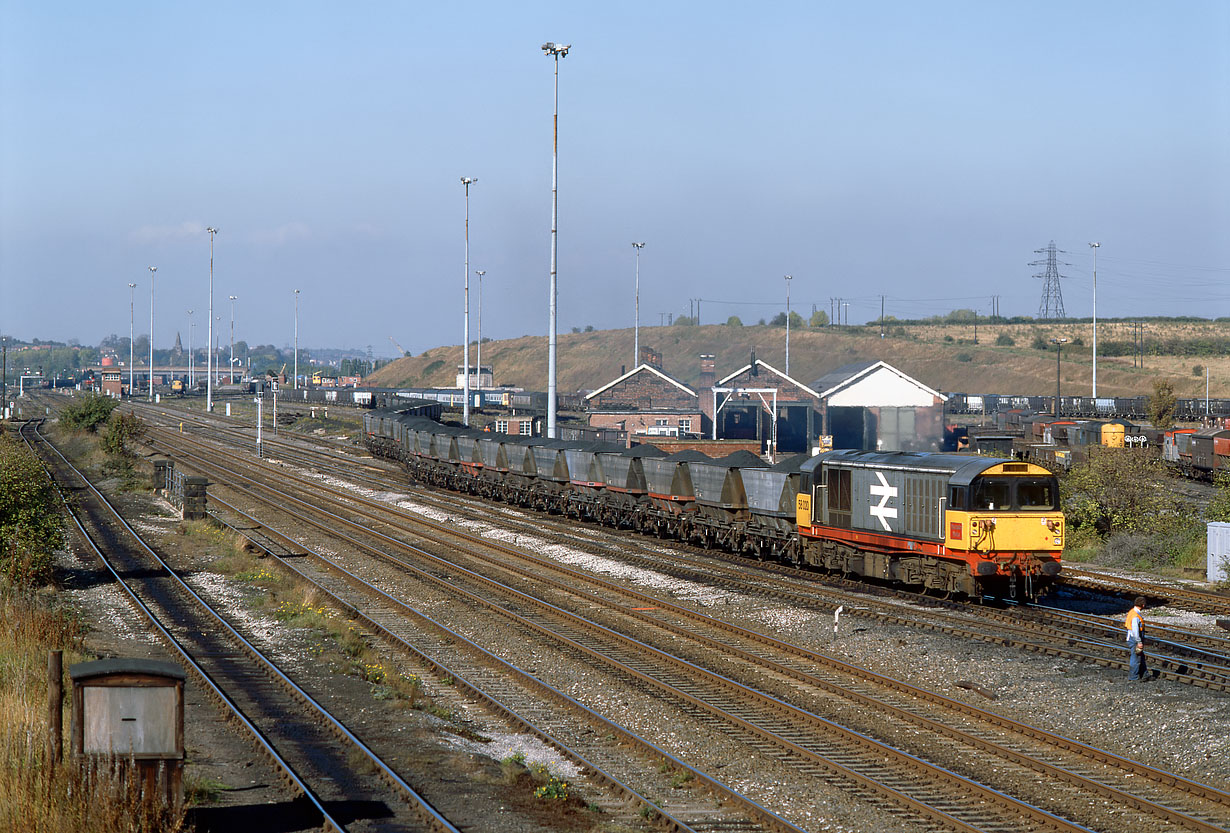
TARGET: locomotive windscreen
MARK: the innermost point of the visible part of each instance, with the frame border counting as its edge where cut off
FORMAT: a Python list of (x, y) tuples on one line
[(1001, 494)]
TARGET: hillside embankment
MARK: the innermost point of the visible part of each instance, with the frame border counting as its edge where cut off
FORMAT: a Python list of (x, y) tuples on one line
[(1005, 358)]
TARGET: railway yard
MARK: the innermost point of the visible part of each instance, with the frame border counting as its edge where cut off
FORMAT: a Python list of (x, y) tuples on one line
[(525, 672)]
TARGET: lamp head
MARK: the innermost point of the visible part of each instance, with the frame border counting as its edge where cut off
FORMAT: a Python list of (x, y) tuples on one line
[(468, 180), (234, 297), (639, 245), (558, 50), (153, 268), (1094, 245)]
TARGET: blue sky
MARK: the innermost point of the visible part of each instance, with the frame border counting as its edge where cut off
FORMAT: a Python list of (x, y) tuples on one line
[(916, 151)]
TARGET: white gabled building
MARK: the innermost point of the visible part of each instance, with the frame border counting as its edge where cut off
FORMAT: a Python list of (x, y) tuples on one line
[(874, 406)]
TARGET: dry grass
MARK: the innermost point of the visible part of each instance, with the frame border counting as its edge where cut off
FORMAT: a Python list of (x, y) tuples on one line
[(34, 795), (941, 356)]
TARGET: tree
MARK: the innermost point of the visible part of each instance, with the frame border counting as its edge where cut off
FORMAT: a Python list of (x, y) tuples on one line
[(778, 320), (685, 321), (1162, 405), (1219, 507), (819, 318), (1120, 490), (734, 321), (796, 321)]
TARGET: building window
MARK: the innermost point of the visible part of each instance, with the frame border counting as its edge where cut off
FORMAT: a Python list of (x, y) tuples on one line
[(662, 422), (501, 425), (685, 425), (525, 427)]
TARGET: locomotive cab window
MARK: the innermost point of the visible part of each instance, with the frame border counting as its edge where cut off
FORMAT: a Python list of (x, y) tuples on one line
[(1036, 493), (956, 497), (990, 494)]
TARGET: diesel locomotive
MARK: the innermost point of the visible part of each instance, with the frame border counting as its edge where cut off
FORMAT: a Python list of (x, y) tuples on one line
[(950, 523)]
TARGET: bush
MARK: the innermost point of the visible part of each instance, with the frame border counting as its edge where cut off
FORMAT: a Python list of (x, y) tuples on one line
[(1039, 342), (1197, 370), (1005, 340), (120, 431), (31, 528), (964, 357), (88, 412)]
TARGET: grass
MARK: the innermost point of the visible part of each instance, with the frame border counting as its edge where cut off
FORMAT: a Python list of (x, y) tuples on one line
[(339, 644), (926, 352), (69, 797)]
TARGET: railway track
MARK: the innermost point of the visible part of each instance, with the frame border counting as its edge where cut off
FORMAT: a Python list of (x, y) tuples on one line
[(1198, 600), (311, 747), (770, 709), (1181, 656)]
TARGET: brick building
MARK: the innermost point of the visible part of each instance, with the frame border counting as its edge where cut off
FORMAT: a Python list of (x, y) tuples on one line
[(745, 403), (649, 402)]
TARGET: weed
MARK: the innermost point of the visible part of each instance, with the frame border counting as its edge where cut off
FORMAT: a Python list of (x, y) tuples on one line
[(203, 790), (680, 779), (371, 672), (361, 763), (299, 614), (553, 790)]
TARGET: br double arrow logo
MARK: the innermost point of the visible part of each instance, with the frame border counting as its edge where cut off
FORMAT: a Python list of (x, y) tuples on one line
[(882, 510)]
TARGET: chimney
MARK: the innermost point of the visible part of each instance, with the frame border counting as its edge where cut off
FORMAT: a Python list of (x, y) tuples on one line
[(755, 371)]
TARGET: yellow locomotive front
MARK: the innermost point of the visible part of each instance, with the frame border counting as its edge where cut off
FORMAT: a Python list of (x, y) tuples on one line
[(1007, 523)]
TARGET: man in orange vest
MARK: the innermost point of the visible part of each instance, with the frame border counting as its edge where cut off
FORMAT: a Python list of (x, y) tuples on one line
[(1137, 669)]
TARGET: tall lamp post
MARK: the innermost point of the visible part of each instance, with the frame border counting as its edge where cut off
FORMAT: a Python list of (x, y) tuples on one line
[(1059, 343), (218, 352), (209, 336), (556, 51), (467, 181), (1095, 247), (131, 375), (789, 278), (191, 328), (636, 323), (152, 270), (479, 360), (295, 384), (230, 371)]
